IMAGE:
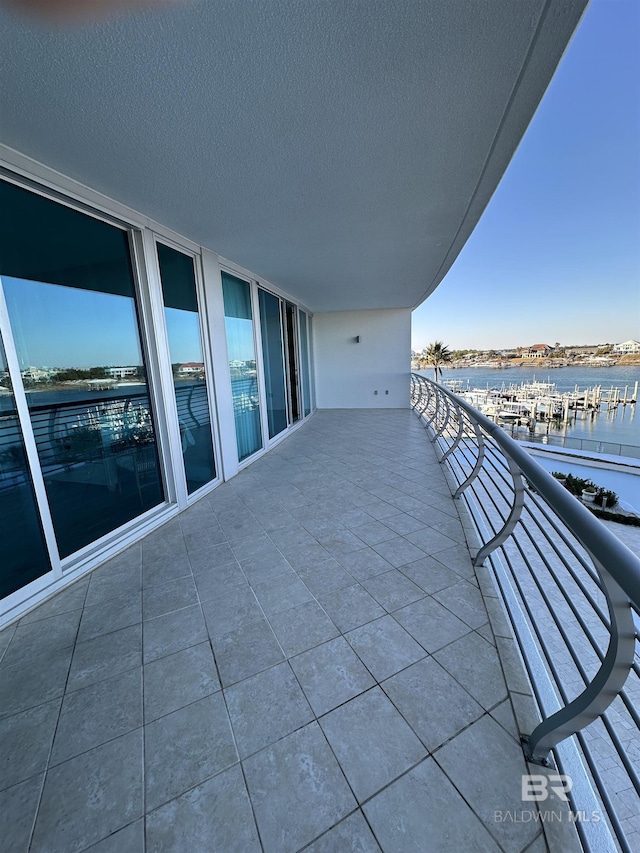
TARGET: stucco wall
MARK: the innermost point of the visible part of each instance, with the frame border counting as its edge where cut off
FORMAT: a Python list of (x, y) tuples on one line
[(349, 373)]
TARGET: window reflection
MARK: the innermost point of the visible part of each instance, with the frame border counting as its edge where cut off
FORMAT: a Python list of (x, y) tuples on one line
[(242, 364), (185, 346), (71, 303), (273, 357), (23, 555)]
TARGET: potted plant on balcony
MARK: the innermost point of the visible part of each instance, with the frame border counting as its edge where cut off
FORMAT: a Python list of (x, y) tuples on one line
[(587, 490)]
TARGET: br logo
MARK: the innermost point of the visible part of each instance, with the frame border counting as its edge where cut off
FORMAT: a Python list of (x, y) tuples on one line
[(535, 787)]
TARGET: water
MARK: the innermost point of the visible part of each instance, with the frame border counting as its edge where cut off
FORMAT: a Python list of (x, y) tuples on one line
[(621, 425)]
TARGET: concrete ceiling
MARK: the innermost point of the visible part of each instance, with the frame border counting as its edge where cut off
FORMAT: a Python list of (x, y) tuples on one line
[(342, 149)]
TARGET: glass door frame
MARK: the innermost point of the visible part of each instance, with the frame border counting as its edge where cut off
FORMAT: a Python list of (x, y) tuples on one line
[(225, 266), (33, 459), (175, 459), (306, 375), (283, 300), (290, 309), (268, 440)]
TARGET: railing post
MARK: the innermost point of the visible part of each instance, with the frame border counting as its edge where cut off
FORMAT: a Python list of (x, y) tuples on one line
[(52, 429), (425, 394), (479, 462), (445, 422), (434, 416), (458, 437), (430, 394), (604, 687), (512, 519), (413, 391), (420, 394), (189, 406)]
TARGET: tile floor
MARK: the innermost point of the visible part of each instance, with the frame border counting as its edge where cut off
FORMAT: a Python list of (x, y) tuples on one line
[(301, 660)]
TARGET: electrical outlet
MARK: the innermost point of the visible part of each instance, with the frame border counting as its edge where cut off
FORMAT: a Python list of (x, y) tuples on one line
[(375, 392)]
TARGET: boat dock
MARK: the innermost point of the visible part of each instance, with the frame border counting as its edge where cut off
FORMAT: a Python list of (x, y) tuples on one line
[(538, 406), (531, 403)]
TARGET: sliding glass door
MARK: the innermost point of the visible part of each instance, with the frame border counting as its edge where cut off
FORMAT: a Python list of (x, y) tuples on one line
[(285, 350), (187, 361), (70, 295), (274, 364), (293, 371), (242, 364)]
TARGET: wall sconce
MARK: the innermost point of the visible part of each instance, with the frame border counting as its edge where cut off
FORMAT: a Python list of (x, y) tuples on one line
[(356, 340)]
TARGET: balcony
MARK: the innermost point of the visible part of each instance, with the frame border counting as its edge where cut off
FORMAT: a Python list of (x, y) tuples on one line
[(301, 658)]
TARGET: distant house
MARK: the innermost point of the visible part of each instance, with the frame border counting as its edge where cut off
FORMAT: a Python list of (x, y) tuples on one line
[(35, 374), (539, 351), (191, 368), (627, 348), (121, 372)]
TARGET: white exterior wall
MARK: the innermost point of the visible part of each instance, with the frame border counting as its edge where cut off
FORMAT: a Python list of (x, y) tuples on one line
[(627, 347), (348, 373)]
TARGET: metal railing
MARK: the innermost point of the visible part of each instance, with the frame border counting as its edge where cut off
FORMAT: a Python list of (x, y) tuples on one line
[(572, 592), (588, 445), (85, 426)]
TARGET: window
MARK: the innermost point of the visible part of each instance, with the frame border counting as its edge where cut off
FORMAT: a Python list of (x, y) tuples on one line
[(70, 294), (187, 362), (273, 357), (242, 364)]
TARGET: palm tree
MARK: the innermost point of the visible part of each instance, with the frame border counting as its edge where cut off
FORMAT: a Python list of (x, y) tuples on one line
[(437, 354)]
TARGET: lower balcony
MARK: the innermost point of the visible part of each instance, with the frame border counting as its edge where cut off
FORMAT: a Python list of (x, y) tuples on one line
[(301, 660)]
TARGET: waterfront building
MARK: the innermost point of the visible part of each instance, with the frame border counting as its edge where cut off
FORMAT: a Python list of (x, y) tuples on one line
[(539, 351), (121, 372), (191, 368), (36, 374), (627, 348)]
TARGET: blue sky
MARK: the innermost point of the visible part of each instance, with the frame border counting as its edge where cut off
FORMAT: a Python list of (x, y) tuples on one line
[(56, 326), (556, 255)]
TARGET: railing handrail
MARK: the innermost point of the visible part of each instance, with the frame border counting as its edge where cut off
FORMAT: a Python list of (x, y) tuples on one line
[(622, 564), (83, 402)]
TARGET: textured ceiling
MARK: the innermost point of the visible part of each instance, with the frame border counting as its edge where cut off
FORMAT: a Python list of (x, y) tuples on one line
[(342, 149)]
